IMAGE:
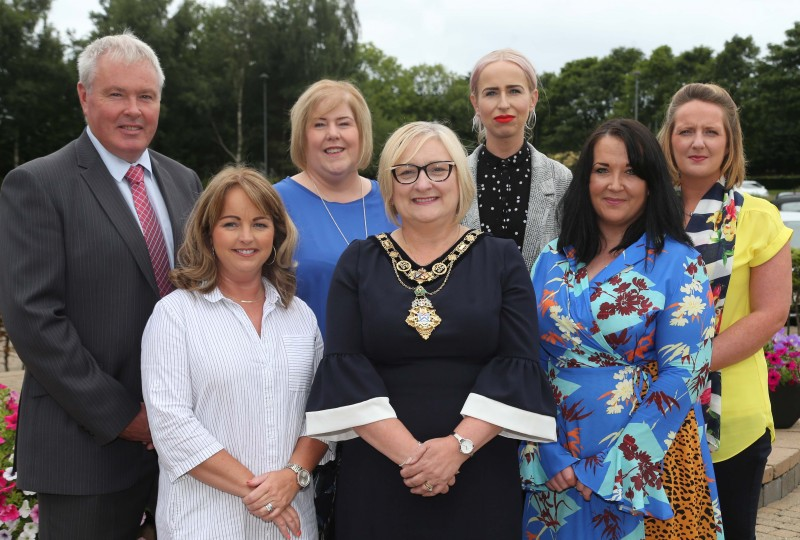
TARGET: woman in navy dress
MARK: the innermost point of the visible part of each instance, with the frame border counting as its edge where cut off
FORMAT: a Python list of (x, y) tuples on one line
[(430, 374)]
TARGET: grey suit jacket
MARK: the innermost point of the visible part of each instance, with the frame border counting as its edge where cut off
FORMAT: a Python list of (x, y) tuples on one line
[(549, 181), (76, 290)]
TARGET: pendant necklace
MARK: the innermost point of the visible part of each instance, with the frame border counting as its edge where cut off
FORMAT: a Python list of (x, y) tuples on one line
[(363, 208), (422, 316)]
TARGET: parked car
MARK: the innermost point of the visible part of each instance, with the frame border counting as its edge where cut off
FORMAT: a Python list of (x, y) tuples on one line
[(788, 200), (792, 220), (754, 188)]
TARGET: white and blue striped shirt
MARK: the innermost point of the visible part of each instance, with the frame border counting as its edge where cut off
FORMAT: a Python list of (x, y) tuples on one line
[(211, 382)]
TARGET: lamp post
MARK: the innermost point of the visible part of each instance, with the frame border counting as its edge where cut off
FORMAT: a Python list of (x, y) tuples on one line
[(264, 77), (636, 94)]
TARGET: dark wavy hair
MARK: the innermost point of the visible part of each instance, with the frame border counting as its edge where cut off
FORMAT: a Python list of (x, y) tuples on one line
[(663, 213)]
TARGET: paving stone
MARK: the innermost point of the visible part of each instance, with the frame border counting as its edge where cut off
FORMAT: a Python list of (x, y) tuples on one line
[(769, 474), (787, 439), (783, 459), (772, 492)]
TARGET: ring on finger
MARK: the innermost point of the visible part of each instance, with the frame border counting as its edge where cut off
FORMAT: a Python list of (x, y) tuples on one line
[(268, 507), (428, 486)]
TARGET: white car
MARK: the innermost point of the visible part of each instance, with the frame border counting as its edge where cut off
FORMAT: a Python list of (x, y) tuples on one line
[(792, 220), (755, 189)]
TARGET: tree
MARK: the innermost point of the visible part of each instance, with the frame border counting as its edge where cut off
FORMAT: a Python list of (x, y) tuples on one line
[(39, 109), (735, 65), (397, 95), (585, 93), (770, 117)]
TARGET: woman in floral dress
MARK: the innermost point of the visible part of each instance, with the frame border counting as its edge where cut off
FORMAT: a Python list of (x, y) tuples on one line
[(625, 330)]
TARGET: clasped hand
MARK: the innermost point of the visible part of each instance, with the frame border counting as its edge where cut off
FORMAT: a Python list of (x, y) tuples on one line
[(437, 462), (277, 489), (565, 479)]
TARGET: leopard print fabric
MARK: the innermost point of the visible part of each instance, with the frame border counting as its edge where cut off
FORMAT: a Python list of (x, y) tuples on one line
[(686, 484)]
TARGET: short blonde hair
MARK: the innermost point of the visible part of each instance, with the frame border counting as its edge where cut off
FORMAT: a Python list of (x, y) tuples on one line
[(500, 55), (329, 95), (406, 141), (198, 266), (733, 166)]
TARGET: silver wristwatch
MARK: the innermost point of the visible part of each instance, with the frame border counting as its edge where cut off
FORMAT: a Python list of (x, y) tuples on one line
[(303, 476), (465, 446)]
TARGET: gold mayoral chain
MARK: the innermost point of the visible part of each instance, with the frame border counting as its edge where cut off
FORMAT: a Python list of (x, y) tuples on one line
[(422, 316)]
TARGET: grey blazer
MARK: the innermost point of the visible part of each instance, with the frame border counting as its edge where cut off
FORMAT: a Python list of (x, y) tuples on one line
[(76, 290), (549, 181)]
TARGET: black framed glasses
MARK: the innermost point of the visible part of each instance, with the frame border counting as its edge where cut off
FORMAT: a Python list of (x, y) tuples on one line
[(437, 171)]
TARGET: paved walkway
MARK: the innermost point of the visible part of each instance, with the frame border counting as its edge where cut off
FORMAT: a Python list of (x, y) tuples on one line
[(777, 520), (780, 517)]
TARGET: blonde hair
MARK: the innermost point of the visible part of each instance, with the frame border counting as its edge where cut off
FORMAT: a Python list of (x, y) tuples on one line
[(197, 270), (733, 166), (407, 141), (329, 94), (501, 55)]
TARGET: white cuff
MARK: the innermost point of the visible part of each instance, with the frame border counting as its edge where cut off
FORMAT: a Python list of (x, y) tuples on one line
[(516, 423), (337, 424)]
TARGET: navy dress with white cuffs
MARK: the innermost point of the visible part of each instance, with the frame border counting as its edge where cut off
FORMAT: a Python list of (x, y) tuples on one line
[(481, 361)]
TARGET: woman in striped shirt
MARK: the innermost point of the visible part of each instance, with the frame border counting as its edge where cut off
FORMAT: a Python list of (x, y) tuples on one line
[(227, 363)]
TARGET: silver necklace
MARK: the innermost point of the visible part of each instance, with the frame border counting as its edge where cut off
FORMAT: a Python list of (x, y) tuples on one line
[(363, 208)]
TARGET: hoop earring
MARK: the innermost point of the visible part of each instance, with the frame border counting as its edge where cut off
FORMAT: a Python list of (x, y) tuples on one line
[(530, 124), (274, 256)]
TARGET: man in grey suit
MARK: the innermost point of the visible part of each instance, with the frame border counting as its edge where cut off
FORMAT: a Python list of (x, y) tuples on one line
[(87, 236)]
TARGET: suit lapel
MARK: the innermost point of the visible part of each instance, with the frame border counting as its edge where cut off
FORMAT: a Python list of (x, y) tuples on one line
[(472, 219), (543, 189), (103, 186)]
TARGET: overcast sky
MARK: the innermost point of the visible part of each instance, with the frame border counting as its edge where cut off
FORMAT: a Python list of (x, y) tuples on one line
[(456, 33)]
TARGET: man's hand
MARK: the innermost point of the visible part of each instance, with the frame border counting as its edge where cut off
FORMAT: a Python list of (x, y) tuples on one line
[(138, 429)]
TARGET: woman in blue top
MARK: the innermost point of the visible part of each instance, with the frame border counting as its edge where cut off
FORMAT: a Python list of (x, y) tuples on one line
[(329, 202), (625, 328)]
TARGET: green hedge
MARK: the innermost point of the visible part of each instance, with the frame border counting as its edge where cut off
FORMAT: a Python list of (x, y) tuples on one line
[(779, 183)]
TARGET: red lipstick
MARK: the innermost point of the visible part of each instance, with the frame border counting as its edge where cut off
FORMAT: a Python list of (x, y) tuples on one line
[(503, 118)]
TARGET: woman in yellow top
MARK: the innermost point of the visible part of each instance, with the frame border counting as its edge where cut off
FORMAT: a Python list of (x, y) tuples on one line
[(746, 249)]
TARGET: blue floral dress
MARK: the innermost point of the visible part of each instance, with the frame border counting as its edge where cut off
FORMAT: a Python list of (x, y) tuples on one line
[(615, 421)]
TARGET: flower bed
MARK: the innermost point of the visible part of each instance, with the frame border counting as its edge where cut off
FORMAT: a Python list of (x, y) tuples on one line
[(19, 511), (783, 360)]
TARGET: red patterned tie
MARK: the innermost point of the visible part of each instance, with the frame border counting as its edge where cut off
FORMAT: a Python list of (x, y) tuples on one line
[(153, 235)]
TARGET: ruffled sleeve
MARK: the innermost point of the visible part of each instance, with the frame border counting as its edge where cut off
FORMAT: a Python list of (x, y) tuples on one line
[(347, 391), (629, 472), (511, 390)]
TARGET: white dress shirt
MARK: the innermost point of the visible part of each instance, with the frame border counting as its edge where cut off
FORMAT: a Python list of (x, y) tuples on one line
[(211, 382), (118, 167)]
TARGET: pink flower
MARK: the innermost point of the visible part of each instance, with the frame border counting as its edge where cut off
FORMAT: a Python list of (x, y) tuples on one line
[(11, 421), (35, 513), (773, 379), (9, 513), (705, 397)]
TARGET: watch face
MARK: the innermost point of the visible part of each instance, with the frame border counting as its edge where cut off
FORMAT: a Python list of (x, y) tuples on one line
[(303, 478), (466, 446)]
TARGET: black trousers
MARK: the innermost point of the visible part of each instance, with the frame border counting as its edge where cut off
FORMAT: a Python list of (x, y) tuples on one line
[(110, 516), (739, 485)]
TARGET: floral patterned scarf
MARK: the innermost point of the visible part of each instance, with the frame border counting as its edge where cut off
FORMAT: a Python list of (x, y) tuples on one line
[(712, 228)]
